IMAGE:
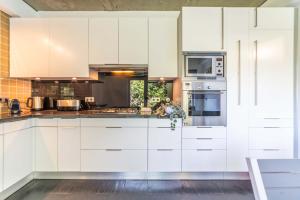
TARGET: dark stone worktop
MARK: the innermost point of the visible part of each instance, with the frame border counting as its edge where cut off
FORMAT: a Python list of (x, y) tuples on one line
[(68, 114)]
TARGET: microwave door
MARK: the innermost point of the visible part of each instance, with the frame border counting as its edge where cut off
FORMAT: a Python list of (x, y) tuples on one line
[(200, 66)]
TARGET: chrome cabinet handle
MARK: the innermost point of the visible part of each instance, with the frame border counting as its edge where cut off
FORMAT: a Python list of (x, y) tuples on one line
[(204, 127), (271, 149), (222, 28), (255, 73), (239, 72), (204, 150), (164, 149), (271, 127), (256, 18), (204, 138), (272, 118), (113, 127), (113, 149)]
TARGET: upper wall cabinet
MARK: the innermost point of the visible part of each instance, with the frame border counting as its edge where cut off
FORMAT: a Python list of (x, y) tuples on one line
[(162, 47), (272, 18), (68, 47), (29, 47), (104, 40), (202, 29), (133, 40)]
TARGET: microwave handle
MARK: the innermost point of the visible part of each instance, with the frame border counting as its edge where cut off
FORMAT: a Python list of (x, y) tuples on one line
[(255, 73)]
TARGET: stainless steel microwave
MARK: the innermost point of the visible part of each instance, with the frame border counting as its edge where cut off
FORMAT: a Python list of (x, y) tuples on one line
[(206, 66)]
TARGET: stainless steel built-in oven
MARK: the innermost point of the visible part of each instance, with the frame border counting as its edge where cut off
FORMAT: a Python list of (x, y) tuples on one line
[(205, 103), (204, 65)]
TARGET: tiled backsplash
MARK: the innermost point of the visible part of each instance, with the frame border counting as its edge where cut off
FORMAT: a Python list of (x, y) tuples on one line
[(9, 88)]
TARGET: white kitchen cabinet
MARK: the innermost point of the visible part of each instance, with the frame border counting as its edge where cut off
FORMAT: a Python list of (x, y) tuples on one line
[(164, 138), (272, 74), (163, 47), (272, 18), (1, 161), (203, 160), (46, 149), (69, 149), (103, 40), (206, 143), (113, 138), (29, 47), (133, 40), (202, 29), (236, 35), (69, 50), (204, 132), (115, 122), (260, 138), (164, 160), (114, 160), (18, 156)]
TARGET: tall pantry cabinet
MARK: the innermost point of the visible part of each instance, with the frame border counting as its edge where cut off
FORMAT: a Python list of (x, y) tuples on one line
[(260, 84)]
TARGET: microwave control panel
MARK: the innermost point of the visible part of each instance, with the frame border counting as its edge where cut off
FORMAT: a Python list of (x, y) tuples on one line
[(220, 66)]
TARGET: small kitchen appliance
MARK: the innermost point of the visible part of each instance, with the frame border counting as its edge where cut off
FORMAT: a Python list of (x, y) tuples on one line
[(50, 103), (68, 105), (35, 103), (14, 106)]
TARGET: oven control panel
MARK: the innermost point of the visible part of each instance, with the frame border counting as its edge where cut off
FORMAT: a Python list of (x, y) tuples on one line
[(204, 85), (220, 67)]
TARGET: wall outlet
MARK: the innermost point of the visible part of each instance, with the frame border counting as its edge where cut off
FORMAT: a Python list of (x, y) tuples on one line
[(89, 99)]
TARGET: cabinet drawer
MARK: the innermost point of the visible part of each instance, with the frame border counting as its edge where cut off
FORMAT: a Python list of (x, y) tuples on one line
[(114, 160), (69, 122), (46, 122), (204, 143), (271, 122), (271, 138), (17, 125), (113, 138), (203, 160), (114, 122), (203, 132), (164, 160), (271, 154), (155, 123), (164, 138)]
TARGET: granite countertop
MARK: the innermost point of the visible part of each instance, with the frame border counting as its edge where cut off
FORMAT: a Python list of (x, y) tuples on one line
[(68, 114)]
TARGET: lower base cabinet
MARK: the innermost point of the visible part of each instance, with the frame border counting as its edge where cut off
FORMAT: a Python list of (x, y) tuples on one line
[(114, 160), (69, 149), (164, 160), (18, 156), (46, 149), (203, 160)]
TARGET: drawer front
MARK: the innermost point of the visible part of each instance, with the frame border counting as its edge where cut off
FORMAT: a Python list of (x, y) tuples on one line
[(17, 125), (46, 122), (204, 132), (69, 122), (113, 122), (271, 154), (114, 161), (164, 160), (155, 123), (113, 138), (203, 160), (271, 122), (164, 138), (204, 143), (271, 138)]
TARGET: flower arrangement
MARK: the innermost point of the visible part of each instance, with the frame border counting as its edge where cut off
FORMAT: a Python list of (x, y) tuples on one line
[(167, 108)]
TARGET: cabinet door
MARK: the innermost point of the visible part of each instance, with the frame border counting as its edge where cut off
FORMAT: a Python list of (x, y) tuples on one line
[(236, 42), (272, 74), (46, 149), (69, 47), (133, 40), (164, 138), (1, 161), (18, 148), (164, 160), (272, 18), (29, 47), (103, 40), (162, 47), (69, 149), (202, 29)]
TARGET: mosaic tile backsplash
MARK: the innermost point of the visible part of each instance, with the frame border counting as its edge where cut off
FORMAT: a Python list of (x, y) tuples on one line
[(9, 87)]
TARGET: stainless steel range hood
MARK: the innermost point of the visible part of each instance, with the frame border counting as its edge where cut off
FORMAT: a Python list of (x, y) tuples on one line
[(112, 68)]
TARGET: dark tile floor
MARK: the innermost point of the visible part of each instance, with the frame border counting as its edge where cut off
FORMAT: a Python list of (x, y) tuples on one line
[(134, 190)]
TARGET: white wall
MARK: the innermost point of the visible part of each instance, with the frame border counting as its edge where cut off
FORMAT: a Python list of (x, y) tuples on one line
[(17, 8)]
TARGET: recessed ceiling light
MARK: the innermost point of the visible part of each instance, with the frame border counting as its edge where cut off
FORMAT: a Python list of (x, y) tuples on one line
[(37, 78), (74, 78)]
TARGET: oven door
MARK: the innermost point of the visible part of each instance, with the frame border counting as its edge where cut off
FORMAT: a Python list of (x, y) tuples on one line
[(206, 108), (200, 66)]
